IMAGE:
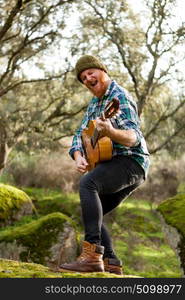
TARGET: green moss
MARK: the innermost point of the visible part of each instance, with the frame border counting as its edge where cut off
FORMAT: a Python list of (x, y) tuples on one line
[(15, 269), (47, 201), (173, 211), (137, 216), (181, 188), (11, 199), (135, 228), (139, 241), (37, 236)]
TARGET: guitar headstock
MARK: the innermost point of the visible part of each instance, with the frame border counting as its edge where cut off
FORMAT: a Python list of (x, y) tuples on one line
[(111, 108)]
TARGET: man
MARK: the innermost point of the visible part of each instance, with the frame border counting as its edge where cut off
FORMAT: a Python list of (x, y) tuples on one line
[(105, 186)]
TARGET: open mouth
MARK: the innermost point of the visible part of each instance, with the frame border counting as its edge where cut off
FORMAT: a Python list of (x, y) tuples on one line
[(93, 84)]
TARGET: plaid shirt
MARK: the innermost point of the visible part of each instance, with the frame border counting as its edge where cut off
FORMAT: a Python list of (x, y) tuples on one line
[(127, 119)]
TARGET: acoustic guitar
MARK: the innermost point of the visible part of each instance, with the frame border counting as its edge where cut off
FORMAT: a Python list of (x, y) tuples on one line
[(98, 148)]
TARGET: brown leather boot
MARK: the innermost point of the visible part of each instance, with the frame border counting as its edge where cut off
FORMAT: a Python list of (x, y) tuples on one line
[(90, 260), (113, 265)]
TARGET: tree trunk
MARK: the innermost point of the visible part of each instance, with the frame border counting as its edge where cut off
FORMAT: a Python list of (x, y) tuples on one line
[(3, 156), (4, 149)]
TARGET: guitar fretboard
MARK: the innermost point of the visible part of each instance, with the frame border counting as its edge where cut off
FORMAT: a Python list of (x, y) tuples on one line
[(95, 138), (107, 113)]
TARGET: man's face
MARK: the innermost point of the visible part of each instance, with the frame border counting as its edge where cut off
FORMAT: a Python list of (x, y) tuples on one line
[(96, 81)]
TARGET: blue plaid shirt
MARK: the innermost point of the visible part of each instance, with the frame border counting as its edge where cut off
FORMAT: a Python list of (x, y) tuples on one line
[(127, 119)]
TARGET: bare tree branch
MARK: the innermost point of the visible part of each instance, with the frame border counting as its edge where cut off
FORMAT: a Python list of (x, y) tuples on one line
[(65, 116), (18, 83), (163, 118), (167, 140), (8, 23)]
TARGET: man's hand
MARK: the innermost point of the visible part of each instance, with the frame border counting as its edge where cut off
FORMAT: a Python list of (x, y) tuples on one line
[(126, 138), (104, 127), (81, 163)]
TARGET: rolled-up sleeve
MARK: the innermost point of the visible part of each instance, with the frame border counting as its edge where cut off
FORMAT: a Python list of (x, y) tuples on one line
[(128, 118), (77, 140)]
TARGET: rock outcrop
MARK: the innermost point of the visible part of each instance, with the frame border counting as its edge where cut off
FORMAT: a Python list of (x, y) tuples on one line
[(14, 204), (172, 212), (49, 240)]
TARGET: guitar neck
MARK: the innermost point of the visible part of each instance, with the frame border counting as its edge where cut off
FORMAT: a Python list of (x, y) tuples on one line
[(107, 113), (96, 134), (95, 137)]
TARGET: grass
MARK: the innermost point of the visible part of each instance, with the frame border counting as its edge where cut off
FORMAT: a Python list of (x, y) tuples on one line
[(47, 201), (140, 242), (135, 228)]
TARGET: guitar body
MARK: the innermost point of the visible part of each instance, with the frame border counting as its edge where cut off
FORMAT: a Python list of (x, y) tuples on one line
[(98, 148), (101, 151)]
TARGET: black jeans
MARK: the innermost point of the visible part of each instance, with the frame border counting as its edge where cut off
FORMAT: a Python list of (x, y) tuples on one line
[(101, 190)]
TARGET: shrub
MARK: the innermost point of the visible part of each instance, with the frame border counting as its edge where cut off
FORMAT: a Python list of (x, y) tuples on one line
[(52, 170), (164, 178)]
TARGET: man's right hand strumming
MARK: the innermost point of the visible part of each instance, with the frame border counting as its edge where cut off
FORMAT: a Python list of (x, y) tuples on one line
[(81, 162)]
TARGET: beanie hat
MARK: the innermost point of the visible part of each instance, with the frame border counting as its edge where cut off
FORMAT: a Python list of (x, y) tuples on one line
[(87, 62)]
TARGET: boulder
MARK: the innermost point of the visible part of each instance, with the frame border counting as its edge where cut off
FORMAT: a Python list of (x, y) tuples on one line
[(172, 213), (49, 240), (14, 204)]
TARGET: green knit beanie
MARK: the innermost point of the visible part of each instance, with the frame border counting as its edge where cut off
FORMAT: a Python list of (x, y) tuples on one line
[(87, 62)]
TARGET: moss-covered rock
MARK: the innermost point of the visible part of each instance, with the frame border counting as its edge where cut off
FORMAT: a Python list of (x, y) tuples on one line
[(48, 201), (181, 188), (50, 240), (14, 203), (16, 269), (173, 212)]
